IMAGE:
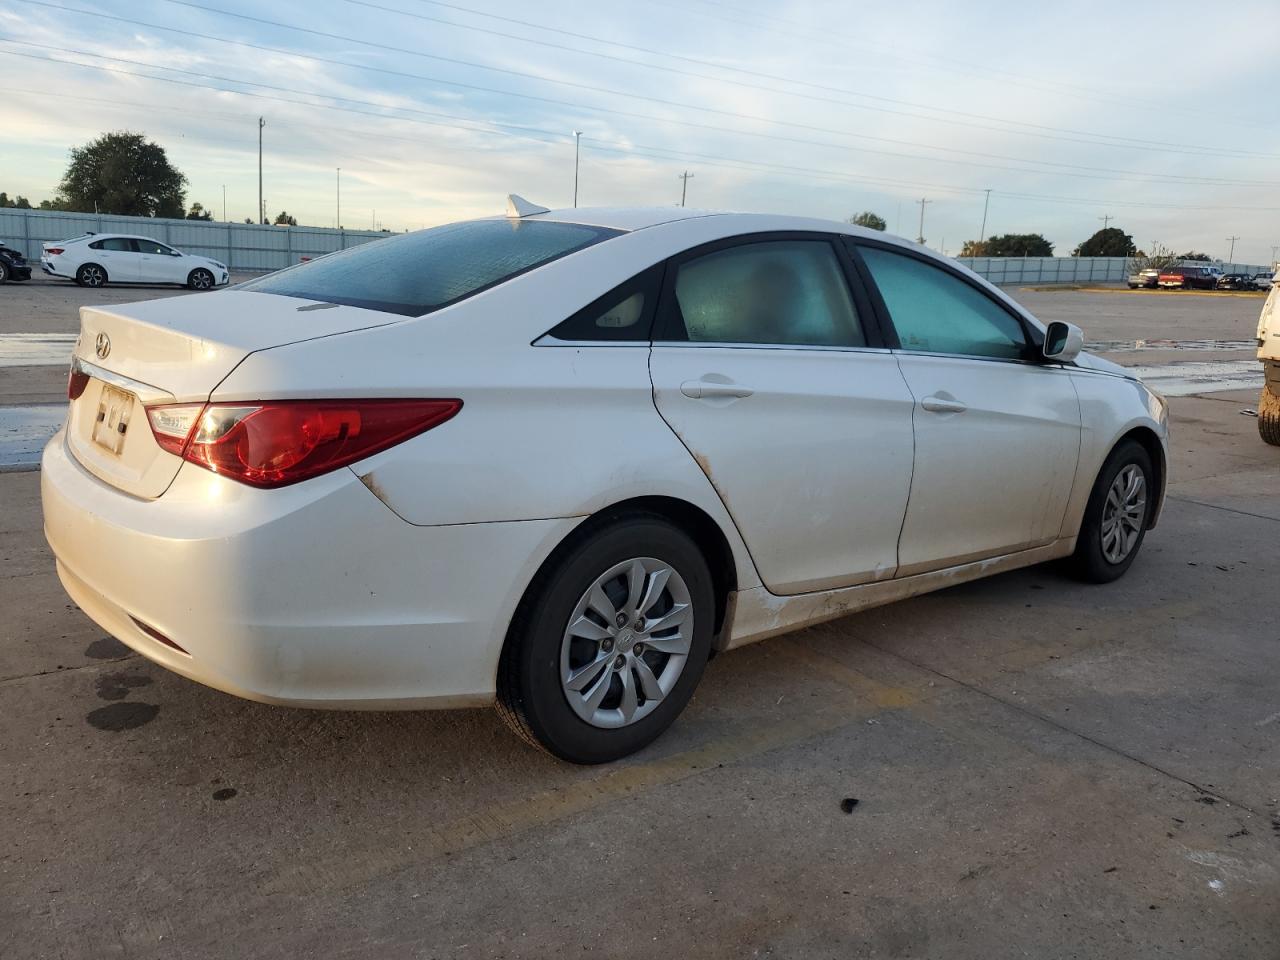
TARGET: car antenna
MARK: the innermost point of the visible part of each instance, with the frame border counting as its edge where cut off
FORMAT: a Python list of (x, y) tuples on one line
[(518, 206)]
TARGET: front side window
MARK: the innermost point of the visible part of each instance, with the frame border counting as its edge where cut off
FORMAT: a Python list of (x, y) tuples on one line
[(415, 273), (787, 292), (153, 247), (935, 312)]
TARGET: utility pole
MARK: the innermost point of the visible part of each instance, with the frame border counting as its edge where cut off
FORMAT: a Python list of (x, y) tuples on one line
[(224, 203), (684, 184), (982, 233), (577, 142), (922, 201), (1231, 257), (262, 211), (1105, 220), (337, 215)]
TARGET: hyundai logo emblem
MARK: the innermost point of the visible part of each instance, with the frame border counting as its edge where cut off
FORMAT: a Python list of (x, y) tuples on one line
[(103, 346)]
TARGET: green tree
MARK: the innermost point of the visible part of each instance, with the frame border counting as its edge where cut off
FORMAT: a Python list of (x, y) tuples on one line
[(57, 203), (123, 173), (973, 248), (284, 220), (1111, 242), (19, 201), (198, 212), (1194, 255), (872, 221), (1016, 245)]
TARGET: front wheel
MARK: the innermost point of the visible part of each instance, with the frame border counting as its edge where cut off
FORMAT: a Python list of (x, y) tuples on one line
[(91, 275), (610, 642), (200, 279), (1116, 518), (4, 271)]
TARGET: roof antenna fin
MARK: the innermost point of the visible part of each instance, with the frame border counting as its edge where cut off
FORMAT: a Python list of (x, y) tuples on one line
[(518, 206)]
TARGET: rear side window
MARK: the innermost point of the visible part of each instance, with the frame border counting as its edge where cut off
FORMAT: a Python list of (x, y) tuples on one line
[(785, 292), (118, 244), (935, 312), (624, 314), (416, 273)]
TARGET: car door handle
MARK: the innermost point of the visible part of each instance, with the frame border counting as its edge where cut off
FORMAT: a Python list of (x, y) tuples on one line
[(936, 404), (705, 389)]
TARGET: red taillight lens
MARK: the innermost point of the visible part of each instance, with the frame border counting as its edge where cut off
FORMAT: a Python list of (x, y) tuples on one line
[(77, 380), (53, 250), (277, 442)]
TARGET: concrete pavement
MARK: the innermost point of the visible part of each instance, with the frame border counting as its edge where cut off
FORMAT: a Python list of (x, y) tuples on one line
[(1042, 768)]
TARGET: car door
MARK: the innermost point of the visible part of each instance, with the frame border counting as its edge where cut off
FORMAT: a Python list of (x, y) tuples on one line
[(159, 263), (997, 434), (770, 368), (116, 255)]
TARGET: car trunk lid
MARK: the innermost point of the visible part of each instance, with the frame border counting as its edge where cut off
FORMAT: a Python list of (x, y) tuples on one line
[(175, 350)]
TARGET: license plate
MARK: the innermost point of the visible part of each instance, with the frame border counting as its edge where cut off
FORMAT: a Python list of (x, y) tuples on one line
[(114, 410)]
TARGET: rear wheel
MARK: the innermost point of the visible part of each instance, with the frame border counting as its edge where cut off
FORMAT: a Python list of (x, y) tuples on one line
[(1269, 417), (91, 275), (4, 271), (200, 279), (1116, 518), (610, 642)]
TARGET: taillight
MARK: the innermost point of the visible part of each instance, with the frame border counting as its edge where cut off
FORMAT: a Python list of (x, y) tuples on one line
[(273, 443), (77, 380), (53, 250)]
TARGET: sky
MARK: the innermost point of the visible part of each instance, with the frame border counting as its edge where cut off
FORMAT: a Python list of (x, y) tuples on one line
[(435, 111)]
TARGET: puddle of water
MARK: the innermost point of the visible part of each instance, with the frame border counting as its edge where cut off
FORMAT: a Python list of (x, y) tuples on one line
[(24, 431), (36, 349), (1121, 346)]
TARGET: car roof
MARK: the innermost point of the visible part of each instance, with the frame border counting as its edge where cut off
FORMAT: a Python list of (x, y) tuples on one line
[(630, 219)]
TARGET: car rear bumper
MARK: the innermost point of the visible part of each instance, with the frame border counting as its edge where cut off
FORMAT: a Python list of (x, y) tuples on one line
[(313, 595)]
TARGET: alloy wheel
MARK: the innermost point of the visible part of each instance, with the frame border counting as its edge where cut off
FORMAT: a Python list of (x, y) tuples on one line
[(1124, 514), (627, 642)]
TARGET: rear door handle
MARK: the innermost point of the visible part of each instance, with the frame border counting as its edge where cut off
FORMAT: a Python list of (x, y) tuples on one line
[(937, 404), (705, 389)]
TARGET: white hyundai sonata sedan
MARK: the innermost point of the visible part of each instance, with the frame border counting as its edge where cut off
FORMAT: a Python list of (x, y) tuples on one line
[(554, 460)]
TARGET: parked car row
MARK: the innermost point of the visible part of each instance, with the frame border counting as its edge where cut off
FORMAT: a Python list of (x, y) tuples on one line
[(1198, 277), (96, 259)]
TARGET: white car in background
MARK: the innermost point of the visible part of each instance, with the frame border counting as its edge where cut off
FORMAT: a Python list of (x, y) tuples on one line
[(555, 459), (96, 259)]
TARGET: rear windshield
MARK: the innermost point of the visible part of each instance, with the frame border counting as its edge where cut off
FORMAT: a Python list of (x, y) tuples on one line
[(416, 273)]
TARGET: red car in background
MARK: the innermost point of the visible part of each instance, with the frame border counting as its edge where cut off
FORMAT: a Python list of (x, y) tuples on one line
[(1189, 278)]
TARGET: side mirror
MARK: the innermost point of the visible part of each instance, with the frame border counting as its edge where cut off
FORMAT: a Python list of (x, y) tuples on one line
[(1063, 341)]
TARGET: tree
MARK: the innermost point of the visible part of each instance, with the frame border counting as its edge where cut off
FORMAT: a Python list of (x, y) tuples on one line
[(284, 220), (1110, 242), (1193, 255), (972, 248), (872, 221), (18, 202), (1015, 245), (123, 173), (198, 212), (57, 203), (1159, 258)]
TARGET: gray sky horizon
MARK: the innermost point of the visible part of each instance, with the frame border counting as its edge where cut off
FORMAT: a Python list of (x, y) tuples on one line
[(436, 110)]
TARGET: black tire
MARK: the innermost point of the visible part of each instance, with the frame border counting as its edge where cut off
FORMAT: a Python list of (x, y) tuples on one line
[(200, 279), (4, 271), (91, 275), (530, 695), (1089, 563), (1269, 417)]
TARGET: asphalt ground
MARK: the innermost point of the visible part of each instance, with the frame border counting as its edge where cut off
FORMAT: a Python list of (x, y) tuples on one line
[(1041, 769)]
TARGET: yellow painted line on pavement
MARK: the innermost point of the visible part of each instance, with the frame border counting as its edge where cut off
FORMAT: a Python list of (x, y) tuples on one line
[(866, 698)]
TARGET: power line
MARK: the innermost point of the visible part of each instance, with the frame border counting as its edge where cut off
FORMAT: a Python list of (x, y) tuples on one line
[(1100, 139), (553, 137), (1103, 173)]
